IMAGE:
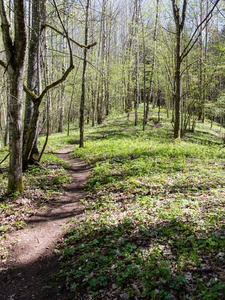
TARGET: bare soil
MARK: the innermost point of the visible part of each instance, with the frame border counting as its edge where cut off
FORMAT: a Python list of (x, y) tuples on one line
[(32, 259)]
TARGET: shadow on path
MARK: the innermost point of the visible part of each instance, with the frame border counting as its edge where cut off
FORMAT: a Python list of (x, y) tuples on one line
[(32, 258)]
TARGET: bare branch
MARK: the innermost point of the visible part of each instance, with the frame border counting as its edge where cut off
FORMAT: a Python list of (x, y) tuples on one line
[(206, 19), (66, 34), (72, 40), (195, 41), (55, 83), (38, 99), (3, 64), (4, 158), (168, 30)]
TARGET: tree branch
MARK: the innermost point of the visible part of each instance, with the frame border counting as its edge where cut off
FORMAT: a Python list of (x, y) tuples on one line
[(195, 41), (4, 158), (66, 34), (206, 19), (55, 83), (38, 99), (3, 64), (32, 95), (72, 40)]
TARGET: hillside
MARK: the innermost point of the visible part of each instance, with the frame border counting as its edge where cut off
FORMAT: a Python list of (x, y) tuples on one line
[(154, 219)]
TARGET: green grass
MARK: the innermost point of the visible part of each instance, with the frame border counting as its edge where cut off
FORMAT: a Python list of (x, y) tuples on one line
[(155, 221), (154, 225)]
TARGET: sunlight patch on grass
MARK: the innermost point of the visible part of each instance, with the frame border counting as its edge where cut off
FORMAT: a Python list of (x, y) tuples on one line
[(155, 221)]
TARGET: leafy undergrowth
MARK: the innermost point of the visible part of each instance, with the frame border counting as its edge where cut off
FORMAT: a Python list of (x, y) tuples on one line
[(154, 226), (42, 185)]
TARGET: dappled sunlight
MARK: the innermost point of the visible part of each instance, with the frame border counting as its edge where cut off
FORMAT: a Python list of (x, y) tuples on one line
[(154, 225), (121, 249)]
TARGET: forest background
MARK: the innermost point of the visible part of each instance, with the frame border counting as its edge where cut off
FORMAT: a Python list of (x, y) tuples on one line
[(124, 54), (137, 88)]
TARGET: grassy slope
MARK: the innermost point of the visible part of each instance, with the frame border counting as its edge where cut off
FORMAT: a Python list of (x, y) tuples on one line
[(154, 225)]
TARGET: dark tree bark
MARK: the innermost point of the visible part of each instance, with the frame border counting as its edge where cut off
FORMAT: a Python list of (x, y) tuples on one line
[(38, 99), (33, 81)]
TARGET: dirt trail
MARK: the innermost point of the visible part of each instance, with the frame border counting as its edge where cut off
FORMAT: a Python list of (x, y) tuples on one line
[(32, 259)]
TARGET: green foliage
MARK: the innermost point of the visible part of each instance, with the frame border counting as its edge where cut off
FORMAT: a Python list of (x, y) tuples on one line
[(156, 214)]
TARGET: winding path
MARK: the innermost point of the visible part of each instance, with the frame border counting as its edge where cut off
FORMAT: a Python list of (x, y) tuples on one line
[(32, 258)]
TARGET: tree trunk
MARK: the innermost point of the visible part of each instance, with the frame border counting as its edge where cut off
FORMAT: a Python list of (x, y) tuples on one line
[(179, 22), (201, 100), (33, 81), (82, 101), (137, 58), (177, 93), (63, 86), (15, 55), (146, 110), (31, 137)]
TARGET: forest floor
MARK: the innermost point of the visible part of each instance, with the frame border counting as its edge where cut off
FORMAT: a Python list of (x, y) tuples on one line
[(31, 254), (137, 216)]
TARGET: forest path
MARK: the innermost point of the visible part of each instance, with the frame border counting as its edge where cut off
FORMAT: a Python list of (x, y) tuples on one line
[(31, 256)]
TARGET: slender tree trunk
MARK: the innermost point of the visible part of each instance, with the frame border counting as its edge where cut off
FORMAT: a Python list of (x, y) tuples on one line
[(137, 92), (93, 104), (144, 68), (63, 86), (6, 135), (179, 22), (177, 94), (71, 102), (82, 101), (102, 80), (201, 104), (146, 111)]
